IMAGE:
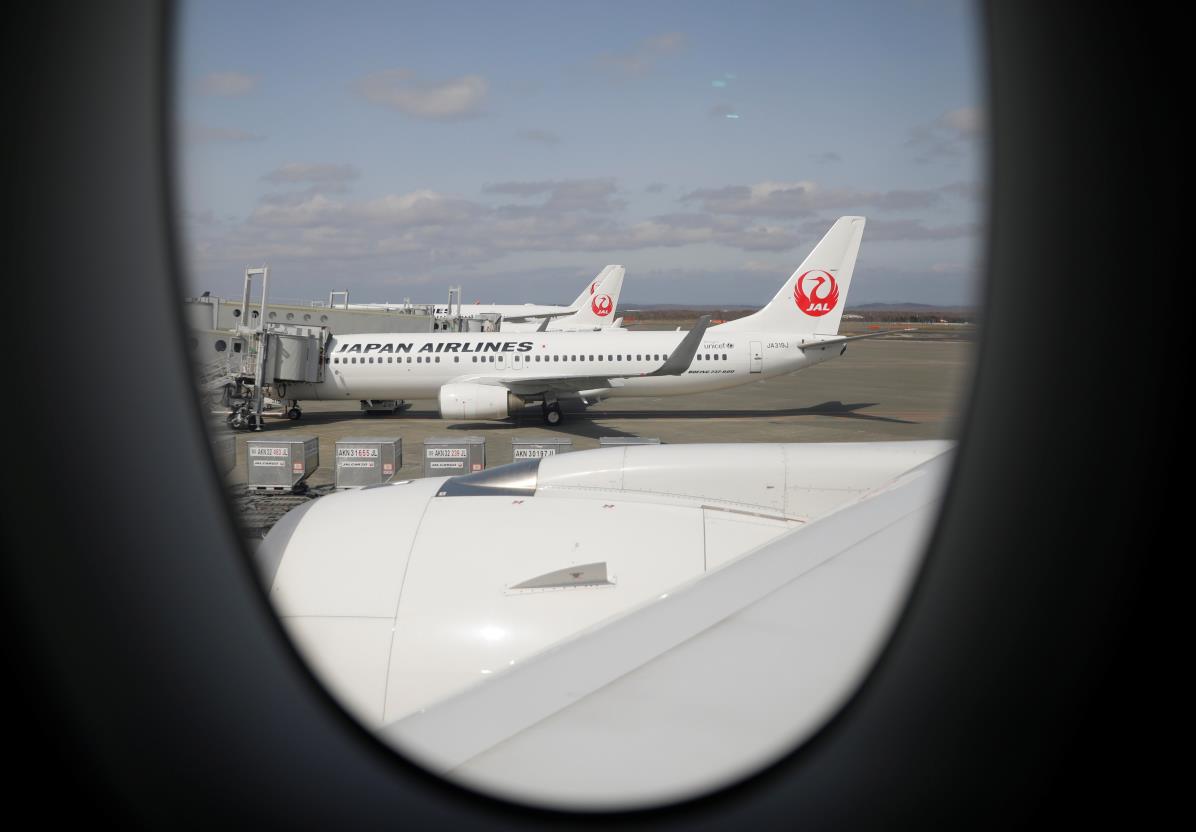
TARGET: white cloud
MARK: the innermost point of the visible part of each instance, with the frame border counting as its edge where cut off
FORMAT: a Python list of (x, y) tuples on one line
[(417, 208), (322, 176), (686, 229), (965, 122), (949, 136), (393, 210), (804, 198), (400, 89), (897, 230), (424, 231), (428, 232), (643, 57), (228, 84), (592, 195)]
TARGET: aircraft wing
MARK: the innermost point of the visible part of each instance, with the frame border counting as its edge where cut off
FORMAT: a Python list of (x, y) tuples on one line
[(526, 386), (520, 319), (747, 591), (522, 384), (701, 685), (843, 339)]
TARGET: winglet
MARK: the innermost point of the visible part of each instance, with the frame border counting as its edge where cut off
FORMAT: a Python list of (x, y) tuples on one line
[(543, 325), (683, 356)]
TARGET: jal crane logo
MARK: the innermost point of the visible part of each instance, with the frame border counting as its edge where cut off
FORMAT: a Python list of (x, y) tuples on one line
[(812, 294), (601, 305)]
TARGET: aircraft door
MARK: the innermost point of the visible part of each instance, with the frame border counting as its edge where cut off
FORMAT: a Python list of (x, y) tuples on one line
[(756, 357), (516, 362), (500, 361)]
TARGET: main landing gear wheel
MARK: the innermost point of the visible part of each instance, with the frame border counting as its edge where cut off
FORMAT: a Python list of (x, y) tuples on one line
[(552, 414), (243, 419), (294, 413)]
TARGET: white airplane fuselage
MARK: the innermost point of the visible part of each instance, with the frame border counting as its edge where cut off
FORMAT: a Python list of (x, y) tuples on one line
[(492, 375), (417, 366)]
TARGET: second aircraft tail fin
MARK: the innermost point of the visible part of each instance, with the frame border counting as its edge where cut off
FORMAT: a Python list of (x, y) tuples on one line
[(598, 302), (591, 288)]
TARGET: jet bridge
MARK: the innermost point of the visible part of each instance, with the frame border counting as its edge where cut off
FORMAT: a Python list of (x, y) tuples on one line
[(453, 320), (266, 355)]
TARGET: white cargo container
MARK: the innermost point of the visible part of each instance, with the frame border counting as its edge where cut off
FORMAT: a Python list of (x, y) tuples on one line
[(524, 448), (282, 464), (453, 455), (367, 460)]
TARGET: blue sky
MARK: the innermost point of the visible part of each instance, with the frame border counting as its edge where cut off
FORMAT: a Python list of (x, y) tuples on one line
[(395, 149)]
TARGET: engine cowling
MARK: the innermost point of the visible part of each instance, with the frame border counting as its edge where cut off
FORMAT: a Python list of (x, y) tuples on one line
[(477, 401)]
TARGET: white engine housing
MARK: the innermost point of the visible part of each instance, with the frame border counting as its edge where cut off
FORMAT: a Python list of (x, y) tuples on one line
[(477, 401)]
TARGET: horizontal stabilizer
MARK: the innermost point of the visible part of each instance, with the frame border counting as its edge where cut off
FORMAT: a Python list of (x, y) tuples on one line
[(841, 339)]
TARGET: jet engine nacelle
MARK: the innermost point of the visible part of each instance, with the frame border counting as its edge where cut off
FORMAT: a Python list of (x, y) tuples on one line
[(477, 401)]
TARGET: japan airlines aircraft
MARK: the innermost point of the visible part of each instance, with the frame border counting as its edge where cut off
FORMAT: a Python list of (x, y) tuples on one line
[(593, 309), (492, 375)]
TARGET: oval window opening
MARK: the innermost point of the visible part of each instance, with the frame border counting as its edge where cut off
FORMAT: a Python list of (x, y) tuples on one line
[(655, 530)]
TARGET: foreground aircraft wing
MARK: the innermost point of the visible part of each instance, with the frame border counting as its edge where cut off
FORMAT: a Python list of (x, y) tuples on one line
[(556, 384), (747, 594), (702, 686), (685, 693), (676, 364), (842, 339)]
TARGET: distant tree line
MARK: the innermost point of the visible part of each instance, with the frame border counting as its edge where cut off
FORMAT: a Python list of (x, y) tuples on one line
[(907, 316), (685, 314)]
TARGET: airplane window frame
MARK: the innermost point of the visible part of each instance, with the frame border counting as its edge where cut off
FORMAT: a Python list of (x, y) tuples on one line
[(1033, 39)]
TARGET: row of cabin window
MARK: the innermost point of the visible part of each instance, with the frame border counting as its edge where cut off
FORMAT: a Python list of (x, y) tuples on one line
[(641, 357), (419, 359)]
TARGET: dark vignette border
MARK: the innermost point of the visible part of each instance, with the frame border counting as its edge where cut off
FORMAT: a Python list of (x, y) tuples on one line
[(149, 682)]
